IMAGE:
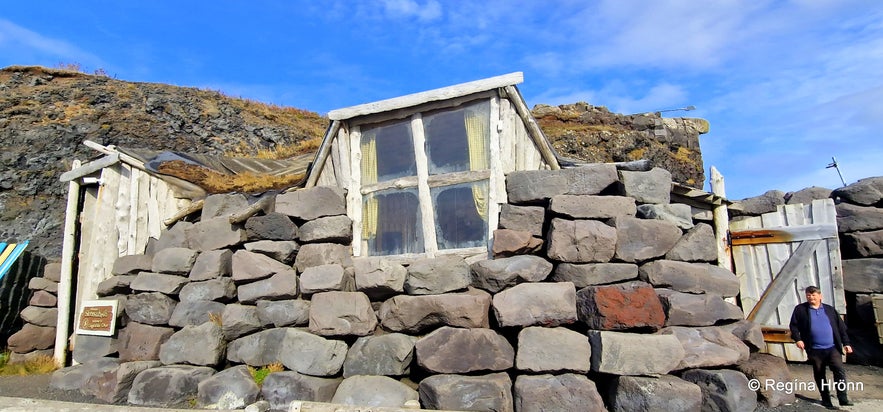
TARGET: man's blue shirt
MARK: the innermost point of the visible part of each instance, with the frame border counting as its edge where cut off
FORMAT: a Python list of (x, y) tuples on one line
[(820, 328)]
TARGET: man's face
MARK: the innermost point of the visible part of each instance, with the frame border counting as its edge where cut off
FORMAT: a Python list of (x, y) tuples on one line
[(814, 299)]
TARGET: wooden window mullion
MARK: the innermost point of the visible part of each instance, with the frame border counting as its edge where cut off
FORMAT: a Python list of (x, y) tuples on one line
[(354, 194), (426, 212), (497, 181)]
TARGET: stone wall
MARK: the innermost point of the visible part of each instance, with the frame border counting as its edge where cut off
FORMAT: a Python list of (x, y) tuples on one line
[(602, 295), (860, 222), (19, 307)]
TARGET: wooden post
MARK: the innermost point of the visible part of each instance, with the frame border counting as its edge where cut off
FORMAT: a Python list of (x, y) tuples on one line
[(536, 133), (497, 180), (353, 193), (721, 225), (264, 204), (192, 208), (67, 257), (322, 154), (721, 221)]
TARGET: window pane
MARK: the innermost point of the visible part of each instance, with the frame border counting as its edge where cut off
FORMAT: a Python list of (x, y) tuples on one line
[(387, 153), (461, 215), (391, 222), (457, 140)]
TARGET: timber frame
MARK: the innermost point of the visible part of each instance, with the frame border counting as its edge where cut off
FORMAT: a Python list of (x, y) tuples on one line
[(516, 143)]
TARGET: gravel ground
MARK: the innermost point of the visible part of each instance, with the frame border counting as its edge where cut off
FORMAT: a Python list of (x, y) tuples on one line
[(869, 398), (37, 387)]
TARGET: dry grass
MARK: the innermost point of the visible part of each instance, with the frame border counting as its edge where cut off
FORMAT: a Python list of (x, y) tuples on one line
[(284, 152), (250, 182), (557, 128), (43, 70), (215, 318), (37, 365), (684, 155), (214, 182), (312, 124), (637, 154)]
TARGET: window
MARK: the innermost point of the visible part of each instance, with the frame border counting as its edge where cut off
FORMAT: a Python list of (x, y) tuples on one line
[(460, 215), (424, 181), (392, 222)]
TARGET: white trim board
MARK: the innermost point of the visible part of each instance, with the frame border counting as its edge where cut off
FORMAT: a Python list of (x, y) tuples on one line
[(428, 96)]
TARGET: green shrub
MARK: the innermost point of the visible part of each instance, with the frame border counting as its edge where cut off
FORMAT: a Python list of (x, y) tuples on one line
[(261, 373)]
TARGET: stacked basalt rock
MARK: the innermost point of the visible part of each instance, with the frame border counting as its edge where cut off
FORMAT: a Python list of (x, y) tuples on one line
[(37, 336), (602, 295), (860, 223)]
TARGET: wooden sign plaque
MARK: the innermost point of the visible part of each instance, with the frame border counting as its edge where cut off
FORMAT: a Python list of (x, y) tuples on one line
[(97, 317)]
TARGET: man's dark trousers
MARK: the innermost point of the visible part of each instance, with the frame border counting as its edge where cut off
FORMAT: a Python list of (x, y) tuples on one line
[(831, 357)]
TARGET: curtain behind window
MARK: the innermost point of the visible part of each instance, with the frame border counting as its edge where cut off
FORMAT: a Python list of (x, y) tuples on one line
[(477, 136), (369, 176)]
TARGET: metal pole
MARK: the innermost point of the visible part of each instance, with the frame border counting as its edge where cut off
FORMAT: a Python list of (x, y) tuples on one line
[(836, 166)]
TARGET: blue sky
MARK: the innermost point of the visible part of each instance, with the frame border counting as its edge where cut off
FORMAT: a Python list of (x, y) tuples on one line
[(786, 85)]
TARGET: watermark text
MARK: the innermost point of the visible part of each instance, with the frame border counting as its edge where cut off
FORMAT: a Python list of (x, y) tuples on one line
[(803, 386)]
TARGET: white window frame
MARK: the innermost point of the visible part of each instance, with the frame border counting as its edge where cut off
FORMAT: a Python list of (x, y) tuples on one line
[(494, 176)]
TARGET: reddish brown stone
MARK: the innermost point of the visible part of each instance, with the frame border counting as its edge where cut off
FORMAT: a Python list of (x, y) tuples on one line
[(620, 307), (43, 299), (32, 337), (509, 242), (52, 271)]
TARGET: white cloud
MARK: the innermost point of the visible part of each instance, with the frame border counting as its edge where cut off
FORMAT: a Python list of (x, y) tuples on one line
[(663, 96), (685, 35), (613, 95), (673, 33), (428, 11), (19, 45)]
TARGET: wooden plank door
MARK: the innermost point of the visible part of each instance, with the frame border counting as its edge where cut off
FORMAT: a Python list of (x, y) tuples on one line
[(777, 255)]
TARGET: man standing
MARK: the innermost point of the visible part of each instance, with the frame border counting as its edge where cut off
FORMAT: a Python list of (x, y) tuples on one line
[(818, 329)]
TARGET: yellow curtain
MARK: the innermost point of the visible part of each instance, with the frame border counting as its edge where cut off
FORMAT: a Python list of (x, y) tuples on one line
[(477, 137), (369, 176)]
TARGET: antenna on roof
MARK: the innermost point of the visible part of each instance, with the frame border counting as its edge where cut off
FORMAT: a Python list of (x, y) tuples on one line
[(836, 166), (686, 109)]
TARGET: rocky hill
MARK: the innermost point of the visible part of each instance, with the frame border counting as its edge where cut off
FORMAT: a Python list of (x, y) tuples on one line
[(46, 114), (594, 134)]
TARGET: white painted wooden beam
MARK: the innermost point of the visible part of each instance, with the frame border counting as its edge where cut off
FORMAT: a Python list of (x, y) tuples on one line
[(322, 154), (533, 129), (90, 167), (444, 93), (721, 222), (65, 285)]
